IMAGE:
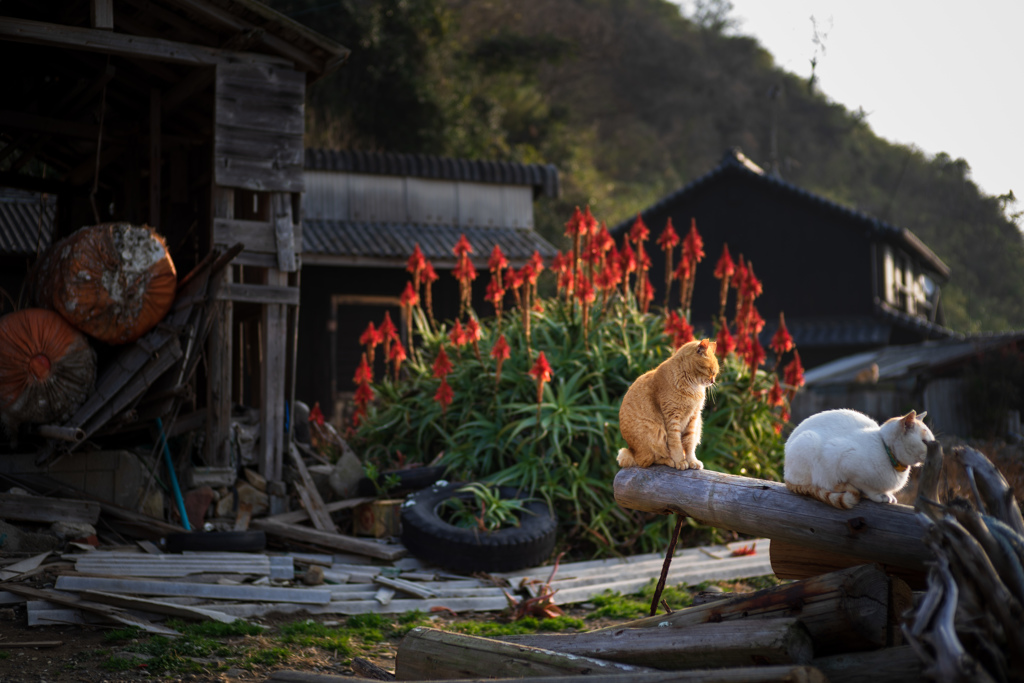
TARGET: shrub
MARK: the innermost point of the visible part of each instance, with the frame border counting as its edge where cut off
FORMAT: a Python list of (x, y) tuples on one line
[(530, 396)]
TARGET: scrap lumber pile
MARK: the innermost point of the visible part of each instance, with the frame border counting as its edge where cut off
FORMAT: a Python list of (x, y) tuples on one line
[(143, 586), (849, 617)]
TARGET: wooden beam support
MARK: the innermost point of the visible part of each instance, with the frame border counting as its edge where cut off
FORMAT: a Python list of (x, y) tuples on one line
[(126, 45), (259, 294), (101, 14), (218, 400), (874, 532)]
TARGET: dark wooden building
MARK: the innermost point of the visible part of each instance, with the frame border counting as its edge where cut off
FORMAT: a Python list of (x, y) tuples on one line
[(364, 214), (187, 115), (846, 281)]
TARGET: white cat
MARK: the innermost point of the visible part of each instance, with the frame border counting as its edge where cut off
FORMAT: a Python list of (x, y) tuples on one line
[(839, 455)]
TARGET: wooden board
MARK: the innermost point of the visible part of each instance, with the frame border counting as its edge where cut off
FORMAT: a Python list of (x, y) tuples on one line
[(259, 124), (263, 593), (328, 540), (46, 509)]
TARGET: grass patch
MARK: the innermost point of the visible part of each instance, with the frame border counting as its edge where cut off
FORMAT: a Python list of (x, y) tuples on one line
[(121, 664), (4, 654), (118, 635), (268, 657), (614, 605), (677, 597), (311, 633)]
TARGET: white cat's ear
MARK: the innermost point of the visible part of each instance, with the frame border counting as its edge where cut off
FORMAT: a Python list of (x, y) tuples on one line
[(921, 416), (908, 419)]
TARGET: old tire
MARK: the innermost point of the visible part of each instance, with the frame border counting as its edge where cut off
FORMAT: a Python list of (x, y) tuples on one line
[(430, 538)]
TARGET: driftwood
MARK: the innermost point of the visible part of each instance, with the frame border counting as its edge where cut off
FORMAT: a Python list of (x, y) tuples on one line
[(969, 626), (761, 674), (710, 645), (891, 665), (843, 611), (427, 653), (874, 532)]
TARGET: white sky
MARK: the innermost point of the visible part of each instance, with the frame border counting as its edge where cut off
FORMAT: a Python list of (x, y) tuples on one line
[(938, 75)]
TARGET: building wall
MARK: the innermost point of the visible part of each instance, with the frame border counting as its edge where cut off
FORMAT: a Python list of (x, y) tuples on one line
[(812, 261)]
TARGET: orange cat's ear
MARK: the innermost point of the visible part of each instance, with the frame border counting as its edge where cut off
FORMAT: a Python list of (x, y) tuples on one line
[(712, 346), (702, 348), (908, 419)]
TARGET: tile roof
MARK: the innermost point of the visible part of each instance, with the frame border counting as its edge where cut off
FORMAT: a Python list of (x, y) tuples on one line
[(734, 161), (543, 178), (392, 243), (20, 212), (897, 362)]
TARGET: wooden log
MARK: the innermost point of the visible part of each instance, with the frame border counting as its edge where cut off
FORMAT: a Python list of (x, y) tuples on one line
[(843, 611), (331, 541), (875, 532), (427, 653), (891, 665), (792, 561), (761, 674), (45, 509), (710, 645)]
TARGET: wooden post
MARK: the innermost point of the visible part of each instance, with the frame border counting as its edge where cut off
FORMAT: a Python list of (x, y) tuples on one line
[(154, 157), (708, 645), (101, 14), (272, 384), (874, 532), (218, 424)]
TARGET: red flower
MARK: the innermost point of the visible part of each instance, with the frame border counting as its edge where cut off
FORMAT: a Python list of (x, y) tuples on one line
[(429, 274), (464, 271), (456, 336), (537, 262), (627, 259), (751, 285), (739, 276), (528, 274), (603, 240), (559, 263), (471, 331), (387, 329), (575, 224), (371, 336), (754, 321), (793, 373), (584, 290), (462, 247), (725, 267), (397, 354), (444, 395), (316, 415), (589, 226), (494, 293), (781, 340), (409, 296), (364, 394), (682, 271), (775, 394), (755, 354), (416, 262), (497, 261), (648, 293), (541, 370), (669, 239), (639, 232), (514, 278), (500, 352), (693, 245), (442, 366), (724, 343), (364, 375), (677, 328)]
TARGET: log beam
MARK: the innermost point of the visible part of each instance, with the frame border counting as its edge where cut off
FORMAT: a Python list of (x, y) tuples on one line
[(874, 532)]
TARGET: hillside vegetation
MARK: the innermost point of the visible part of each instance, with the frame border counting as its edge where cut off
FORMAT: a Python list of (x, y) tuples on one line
[(631, 100)]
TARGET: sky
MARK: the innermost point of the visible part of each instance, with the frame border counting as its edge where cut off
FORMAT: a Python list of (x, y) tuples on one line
[(938, 75)]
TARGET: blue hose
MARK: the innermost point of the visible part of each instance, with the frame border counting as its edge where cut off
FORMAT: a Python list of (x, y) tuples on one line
[(174, 478)]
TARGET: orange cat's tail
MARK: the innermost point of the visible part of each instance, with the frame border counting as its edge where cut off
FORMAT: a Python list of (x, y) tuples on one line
[(625, 458), (845, 498)]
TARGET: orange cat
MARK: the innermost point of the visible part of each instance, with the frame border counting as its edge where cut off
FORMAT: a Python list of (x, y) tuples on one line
[(660, 413)]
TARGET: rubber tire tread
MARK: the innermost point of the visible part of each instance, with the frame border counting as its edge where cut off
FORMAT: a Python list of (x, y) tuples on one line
[(430, 538), (221, 541)]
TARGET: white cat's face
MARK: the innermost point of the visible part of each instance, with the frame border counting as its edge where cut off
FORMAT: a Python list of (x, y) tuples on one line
[(912, 439)]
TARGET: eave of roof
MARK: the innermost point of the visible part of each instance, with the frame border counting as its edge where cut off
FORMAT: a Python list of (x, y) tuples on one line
[(542, 177), (734, 161), (339, 242)]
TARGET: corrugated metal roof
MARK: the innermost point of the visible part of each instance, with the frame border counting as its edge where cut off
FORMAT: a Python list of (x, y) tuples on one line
[(543, 178), (897, 362), (20, 229), (395, 241), (735, 162)]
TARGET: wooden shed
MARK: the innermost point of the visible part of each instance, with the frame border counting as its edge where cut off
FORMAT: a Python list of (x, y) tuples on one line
[(364, 214), (847, 281), (187, 115)]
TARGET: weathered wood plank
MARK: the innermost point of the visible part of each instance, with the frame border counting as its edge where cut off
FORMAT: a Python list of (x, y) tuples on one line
[(709, 645), (46, 509), (157, 606), (427, 653), (761, 674), (170, 565), (891, 665), (219, 345), (259, 294), (329, 540), (312, 500), (792, 561), (125, 45), (296, 516), (273, 367), (281, 213), (26, 565), (263, 593), (113, 613), (889, 534)]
